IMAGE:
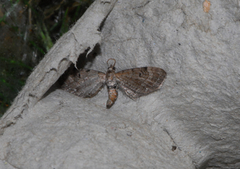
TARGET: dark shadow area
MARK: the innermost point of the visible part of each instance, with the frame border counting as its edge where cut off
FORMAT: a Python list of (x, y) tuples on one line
[(83, 59), (204, 165), (28, 31)]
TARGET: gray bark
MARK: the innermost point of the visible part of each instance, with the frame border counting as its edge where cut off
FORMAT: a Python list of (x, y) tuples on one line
[(197, 109)]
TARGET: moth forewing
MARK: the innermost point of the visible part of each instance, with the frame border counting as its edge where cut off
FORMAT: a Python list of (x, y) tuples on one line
[(138, 82)]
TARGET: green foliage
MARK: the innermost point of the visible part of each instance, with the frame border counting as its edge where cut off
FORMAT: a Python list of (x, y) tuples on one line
[(29, 29), (12, 78)]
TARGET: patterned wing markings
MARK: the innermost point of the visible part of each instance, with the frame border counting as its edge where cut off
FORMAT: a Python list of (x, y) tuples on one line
[(134, 82), (138, 82), (86, 83)]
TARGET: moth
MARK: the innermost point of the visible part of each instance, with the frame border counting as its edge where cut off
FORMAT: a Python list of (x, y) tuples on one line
[(134, 82)]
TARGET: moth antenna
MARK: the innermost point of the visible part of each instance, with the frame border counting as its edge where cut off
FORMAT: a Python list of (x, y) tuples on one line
[(113, 63)]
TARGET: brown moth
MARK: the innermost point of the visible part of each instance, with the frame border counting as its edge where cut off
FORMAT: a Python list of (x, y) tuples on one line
[(134, 82)]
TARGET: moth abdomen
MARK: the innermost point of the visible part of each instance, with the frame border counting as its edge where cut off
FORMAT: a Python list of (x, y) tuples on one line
[(112, 97)]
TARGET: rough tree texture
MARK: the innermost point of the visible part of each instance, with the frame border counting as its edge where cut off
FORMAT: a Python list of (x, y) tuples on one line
[(197, 109)]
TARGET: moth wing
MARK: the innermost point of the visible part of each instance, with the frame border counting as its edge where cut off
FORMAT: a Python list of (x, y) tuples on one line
[(141, 81), (86, 83)]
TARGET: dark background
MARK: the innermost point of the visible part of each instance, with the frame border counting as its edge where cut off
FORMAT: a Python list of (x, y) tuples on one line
[(28, 29)]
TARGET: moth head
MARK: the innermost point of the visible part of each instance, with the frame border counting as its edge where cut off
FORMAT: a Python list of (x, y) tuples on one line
[(111, 66)]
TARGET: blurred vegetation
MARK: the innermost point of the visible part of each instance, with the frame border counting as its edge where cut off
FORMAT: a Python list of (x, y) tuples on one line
[(28, 29)]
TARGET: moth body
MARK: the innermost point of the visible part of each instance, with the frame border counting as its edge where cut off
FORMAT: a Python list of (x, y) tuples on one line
[(112, 86), (111, 80)]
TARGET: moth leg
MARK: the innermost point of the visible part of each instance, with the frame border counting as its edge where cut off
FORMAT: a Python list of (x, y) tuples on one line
[(112, 97)]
